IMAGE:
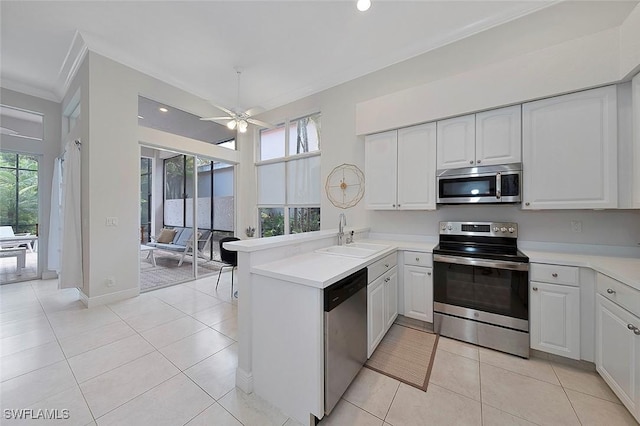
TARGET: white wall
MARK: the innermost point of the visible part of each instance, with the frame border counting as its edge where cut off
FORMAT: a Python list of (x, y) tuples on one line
[(456, 79), (111, 165), (47, 149)]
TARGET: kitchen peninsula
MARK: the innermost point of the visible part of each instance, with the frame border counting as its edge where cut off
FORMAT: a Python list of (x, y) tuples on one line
[(280, 314), (280, 307)]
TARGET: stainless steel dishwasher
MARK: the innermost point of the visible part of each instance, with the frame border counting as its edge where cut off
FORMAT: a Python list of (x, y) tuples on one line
[(345, 335)]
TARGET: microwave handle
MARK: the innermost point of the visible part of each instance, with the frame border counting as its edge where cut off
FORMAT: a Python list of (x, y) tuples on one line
[(498, 185)]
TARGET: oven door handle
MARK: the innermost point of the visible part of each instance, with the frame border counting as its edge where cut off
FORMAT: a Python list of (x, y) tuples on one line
[(471, 261)]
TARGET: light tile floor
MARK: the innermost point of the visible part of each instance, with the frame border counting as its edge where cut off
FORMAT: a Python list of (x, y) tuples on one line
[(168, 357)]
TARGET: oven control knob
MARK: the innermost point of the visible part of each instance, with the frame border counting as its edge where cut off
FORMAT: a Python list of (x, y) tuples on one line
[(449, 227), (512, 230), (496, 229), (503, 229)]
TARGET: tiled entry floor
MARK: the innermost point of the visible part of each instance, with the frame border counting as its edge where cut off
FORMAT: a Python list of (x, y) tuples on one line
[(169, 357)]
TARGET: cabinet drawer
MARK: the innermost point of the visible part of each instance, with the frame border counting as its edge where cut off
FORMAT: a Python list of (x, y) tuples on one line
[(418, 258), (620, 293), (381, 266), (555, 274)]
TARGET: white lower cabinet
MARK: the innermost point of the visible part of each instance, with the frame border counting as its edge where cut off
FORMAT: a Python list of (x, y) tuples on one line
[(376, 319), (382, 307), (555, 319), (417, 285), (391, 297), (382, 299), (418, 293), (618, 350)]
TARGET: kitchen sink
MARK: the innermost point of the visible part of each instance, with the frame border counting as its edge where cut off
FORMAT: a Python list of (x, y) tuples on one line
[(360, 250)]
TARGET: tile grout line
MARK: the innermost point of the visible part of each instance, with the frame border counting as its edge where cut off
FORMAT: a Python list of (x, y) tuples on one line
[(390, 405), (67, 359)]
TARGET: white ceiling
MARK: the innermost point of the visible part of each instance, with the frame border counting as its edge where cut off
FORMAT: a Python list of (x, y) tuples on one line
[(286, 49)]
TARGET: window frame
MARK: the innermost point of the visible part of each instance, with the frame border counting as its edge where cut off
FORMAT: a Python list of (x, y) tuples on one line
[(16, 225), (286, 124)]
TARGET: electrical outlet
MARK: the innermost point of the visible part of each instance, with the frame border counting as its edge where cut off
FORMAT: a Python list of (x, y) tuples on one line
[(111, 221), (576, 226), (110, 281)]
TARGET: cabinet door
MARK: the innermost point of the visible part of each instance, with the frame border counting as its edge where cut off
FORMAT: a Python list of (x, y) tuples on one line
[(618, 352), (555, 319), (569, 151), (391, 297), (380, 162), (499, 136), (456, 142), (418, 293), (417, 167), (376, 320)]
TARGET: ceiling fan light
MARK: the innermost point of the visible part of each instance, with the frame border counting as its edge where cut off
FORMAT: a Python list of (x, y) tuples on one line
[(363, 5), (242, 126), (231, 124)]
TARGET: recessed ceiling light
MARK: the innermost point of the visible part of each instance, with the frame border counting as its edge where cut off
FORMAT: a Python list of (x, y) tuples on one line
[(163, 109), (140, 117), (363, 5)]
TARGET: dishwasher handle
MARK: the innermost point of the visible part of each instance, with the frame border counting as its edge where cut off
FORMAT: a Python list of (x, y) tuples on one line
[(342, 290)]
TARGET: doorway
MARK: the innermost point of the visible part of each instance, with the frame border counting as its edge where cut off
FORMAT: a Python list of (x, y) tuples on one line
[(176, 191)]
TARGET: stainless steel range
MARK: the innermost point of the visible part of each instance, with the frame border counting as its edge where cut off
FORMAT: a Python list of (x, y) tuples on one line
[(481, 286)]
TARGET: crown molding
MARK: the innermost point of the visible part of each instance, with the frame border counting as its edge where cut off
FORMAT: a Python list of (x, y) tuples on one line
[(29, 89)]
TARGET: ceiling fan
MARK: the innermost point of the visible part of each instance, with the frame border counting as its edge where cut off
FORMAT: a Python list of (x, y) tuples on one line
[(237, 117)]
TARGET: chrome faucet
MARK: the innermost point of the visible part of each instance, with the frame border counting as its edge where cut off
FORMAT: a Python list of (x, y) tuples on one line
[(342, 221)]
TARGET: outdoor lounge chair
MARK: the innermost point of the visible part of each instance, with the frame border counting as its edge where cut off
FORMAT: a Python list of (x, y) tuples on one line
[(182, 243)]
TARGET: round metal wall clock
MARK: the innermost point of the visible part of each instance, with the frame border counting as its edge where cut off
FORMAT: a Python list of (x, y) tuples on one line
[(345, 186)]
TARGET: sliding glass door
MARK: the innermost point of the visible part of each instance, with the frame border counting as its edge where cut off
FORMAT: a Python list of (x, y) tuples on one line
[(193, 190)]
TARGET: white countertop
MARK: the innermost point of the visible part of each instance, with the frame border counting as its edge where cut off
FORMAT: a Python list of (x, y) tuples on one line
[(624, 269), (321, 270)]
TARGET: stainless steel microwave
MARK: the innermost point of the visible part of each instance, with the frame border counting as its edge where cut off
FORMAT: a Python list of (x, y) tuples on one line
[(486, 184)]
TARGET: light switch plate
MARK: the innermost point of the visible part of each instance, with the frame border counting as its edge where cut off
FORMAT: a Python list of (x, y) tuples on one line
[(111, 221)]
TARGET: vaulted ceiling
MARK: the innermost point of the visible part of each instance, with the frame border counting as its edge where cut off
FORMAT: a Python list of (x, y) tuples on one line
[(286, 49)]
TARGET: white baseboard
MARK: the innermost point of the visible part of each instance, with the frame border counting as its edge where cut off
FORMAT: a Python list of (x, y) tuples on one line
[(49, 275), (244, 380), (105, 299)]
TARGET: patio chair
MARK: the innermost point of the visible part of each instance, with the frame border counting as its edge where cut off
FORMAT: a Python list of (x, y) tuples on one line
[(15, 242), (229, 258)]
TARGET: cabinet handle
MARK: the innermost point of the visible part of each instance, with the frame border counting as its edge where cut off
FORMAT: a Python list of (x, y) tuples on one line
[(429, 273), (527, 204), (471, 162), (611, 291), (633, 328), (535, 289), (417, 259), (478, 161), (386, 280), (386, 265), (393, 205), (398, 205), (554, 275)]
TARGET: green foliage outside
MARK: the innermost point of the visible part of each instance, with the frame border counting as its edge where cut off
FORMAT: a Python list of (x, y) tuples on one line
[(19, 192), (271, 222)]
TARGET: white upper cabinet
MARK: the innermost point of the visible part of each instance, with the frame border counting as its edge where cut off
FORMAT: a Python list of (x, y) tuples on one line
[(499, 136), (400, 169), (483, 139), (457, 142), (569, 151), (417, 167), (381, 169)]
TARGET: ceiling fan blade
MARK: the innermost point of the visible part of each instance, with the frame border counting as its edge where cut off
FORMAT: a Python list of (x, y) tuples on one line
[(228, 111), (260, 123), (215, 118), (254, 111)]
